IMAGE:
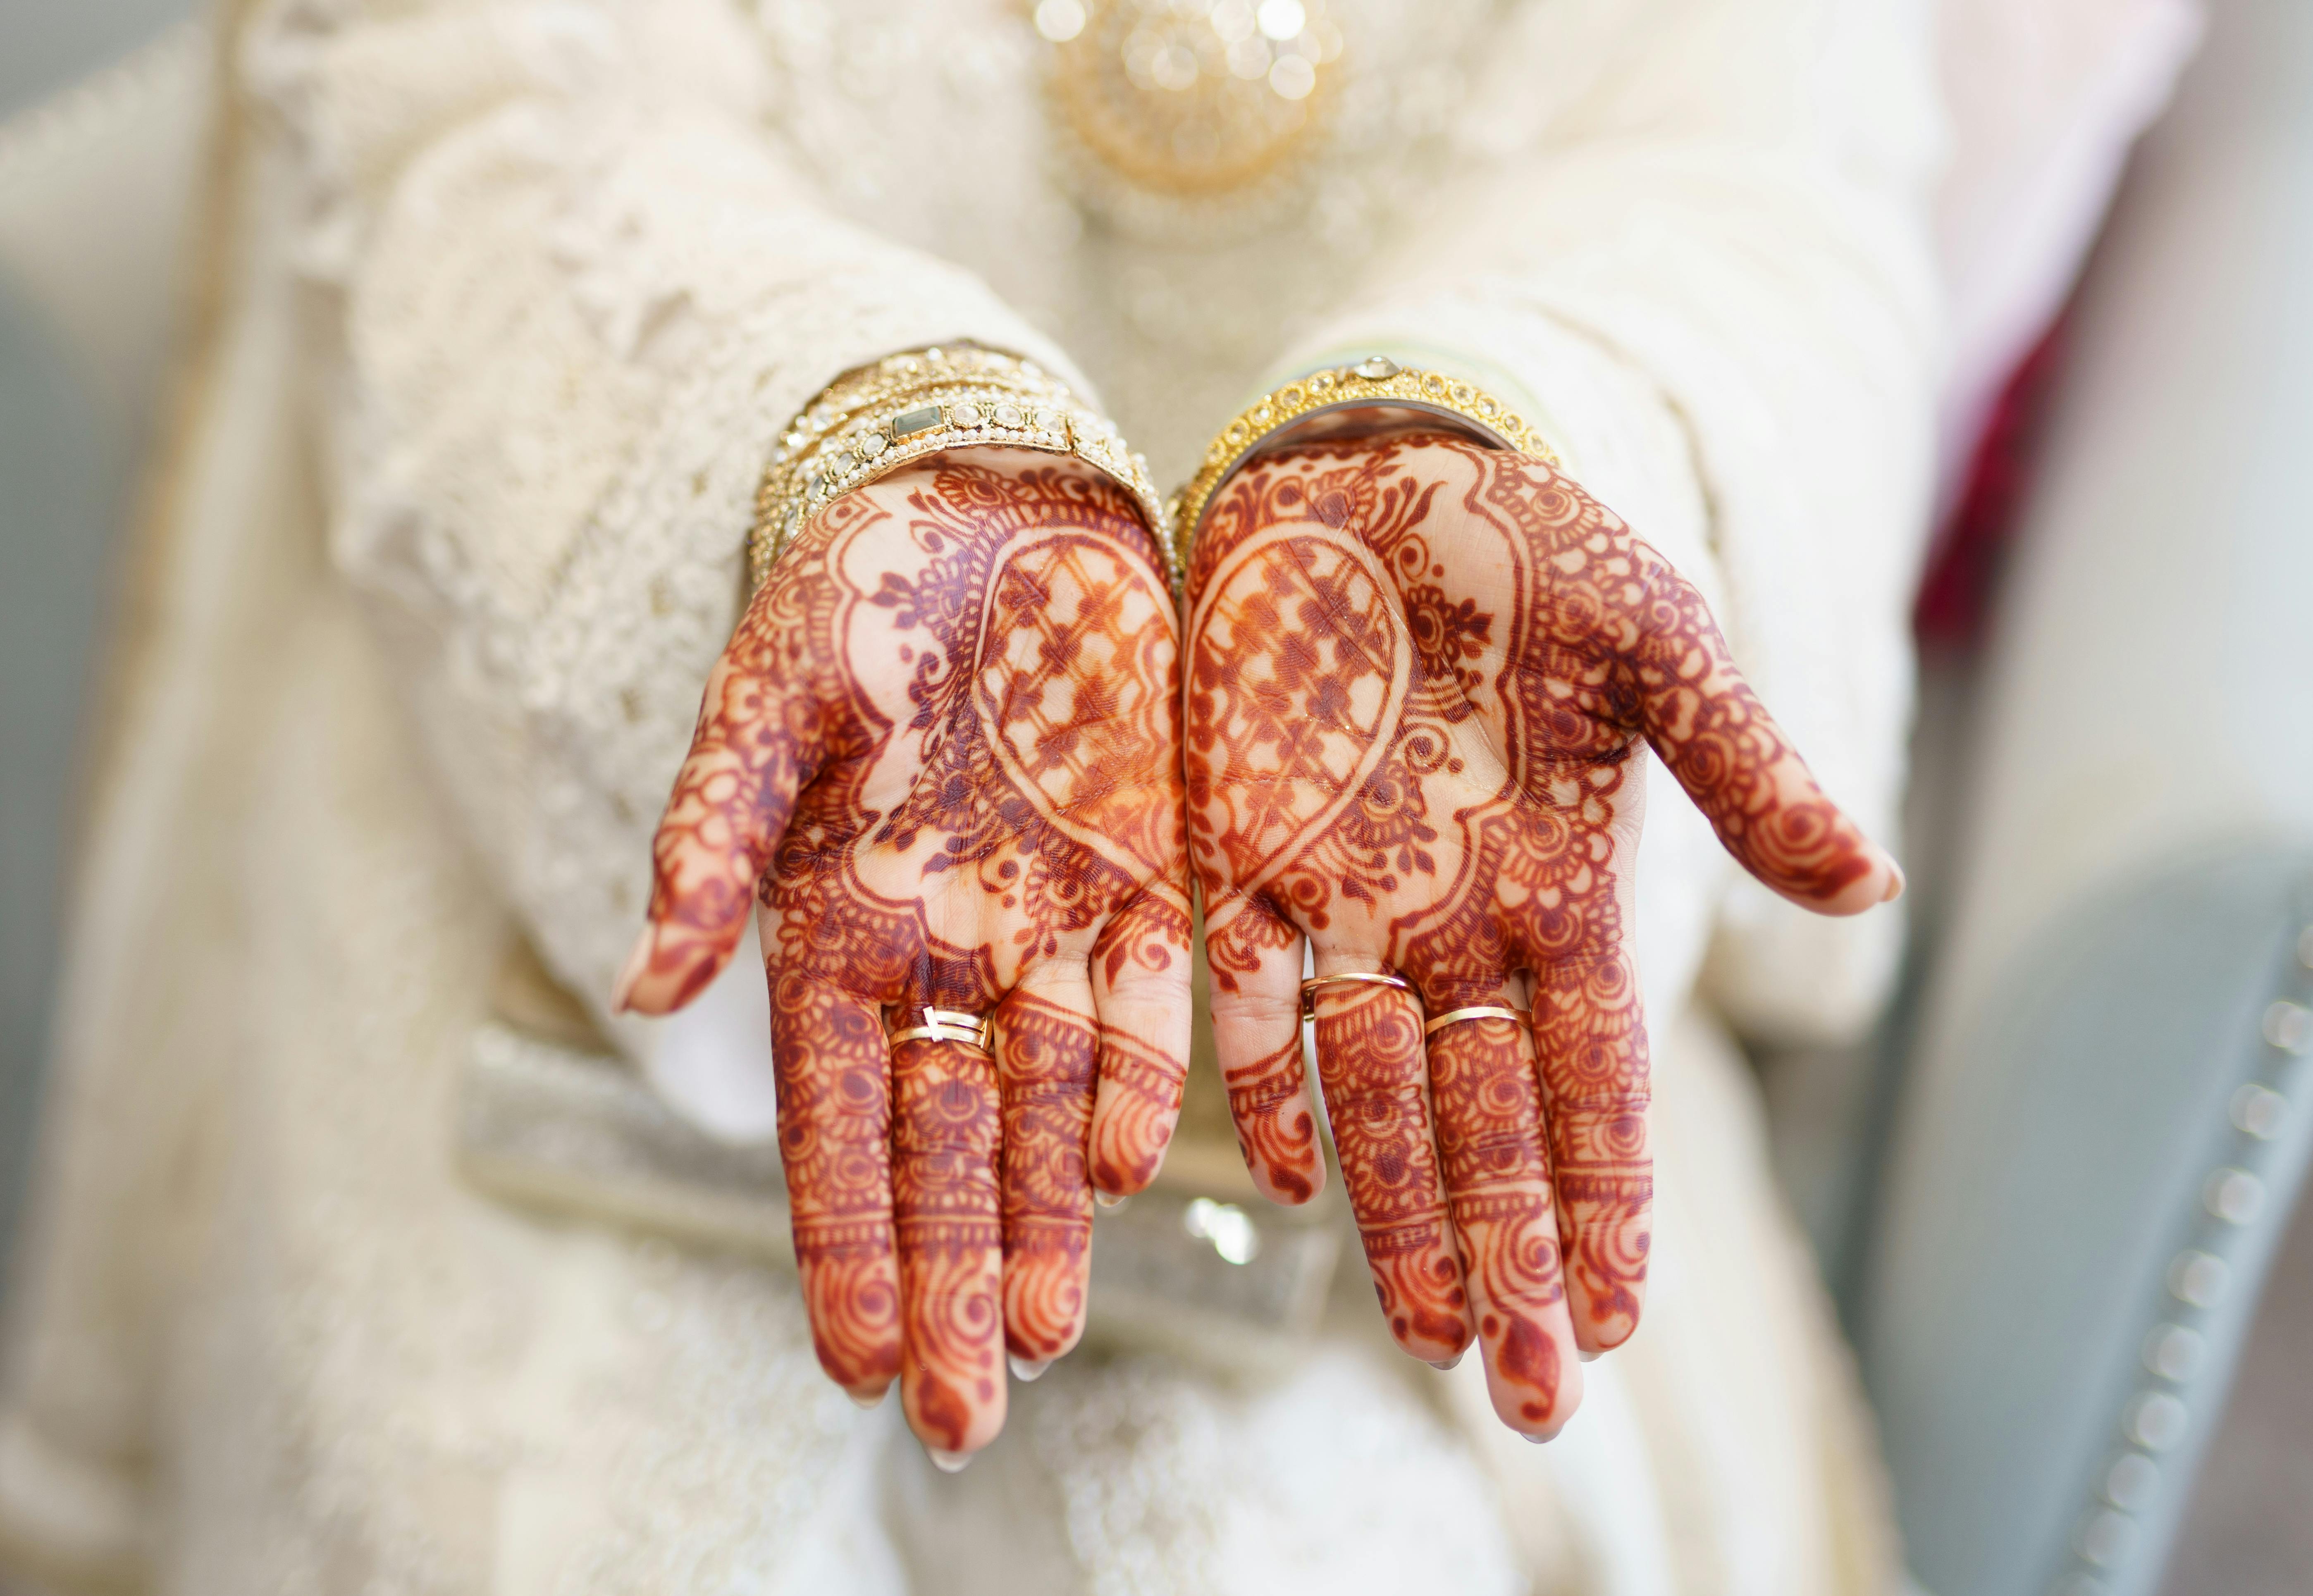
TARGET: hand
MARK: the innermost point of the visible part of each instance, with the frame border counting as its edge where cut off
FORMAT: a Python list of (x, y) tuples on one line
[(1419, 674), (942, 752)]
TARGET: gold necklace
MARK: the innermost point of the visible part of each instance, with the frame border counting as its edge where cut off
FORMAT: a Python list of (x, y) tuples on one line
[(1189, 113)]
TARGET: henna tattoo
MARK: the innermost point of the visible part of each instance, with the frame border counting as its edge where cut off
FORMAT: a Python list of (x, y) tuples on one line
[(941, 754), (1483, 1084), (1418, 675), (1275, 1130), (1369, 1058), (1047, 1053), (945, 1200), (835, 1117)]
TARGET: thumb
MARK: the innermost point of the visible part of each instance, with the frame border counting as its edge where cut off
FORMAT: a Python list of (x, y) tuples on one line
[(1739, 767), (758, 736)]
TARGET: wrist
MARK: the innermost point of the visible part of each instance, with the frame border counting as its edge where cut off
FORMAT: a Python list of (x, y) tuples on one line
[(878, 419), (1373, 397)]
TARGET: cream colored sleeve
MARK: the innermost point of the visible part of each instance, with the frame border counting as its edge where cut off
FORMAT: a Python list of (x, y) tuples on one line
[(572, 296), (1704, 271)]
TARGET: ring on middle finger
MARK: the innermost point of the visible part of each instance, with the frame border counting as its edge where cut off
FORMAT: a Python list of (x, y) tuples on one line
[(1367, 977)]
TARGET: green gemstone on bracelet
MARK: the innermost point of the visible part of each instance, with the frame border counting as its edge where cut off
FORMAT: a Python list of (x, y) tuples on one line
[(920, 419)]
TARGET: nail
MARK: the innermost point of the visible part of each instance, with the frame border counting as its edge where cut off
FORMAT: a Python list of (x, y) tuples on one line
[(860, 1401), (1113, 1204), (948, 1462), (1531, 1440), (636, 963), (1895, 882), (1587, 1356), (1025, 1369), (1443, 1366)]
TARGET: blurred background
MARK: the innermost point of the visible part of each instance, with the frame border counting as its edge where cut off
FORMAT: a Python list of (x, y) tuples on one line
[(2058, 1198)]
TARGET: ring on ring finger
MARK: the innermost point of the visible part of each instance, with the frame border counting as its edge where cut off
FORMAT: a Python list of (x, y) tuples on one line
[(1485, 1010), (949, 1025), (1365, 978)]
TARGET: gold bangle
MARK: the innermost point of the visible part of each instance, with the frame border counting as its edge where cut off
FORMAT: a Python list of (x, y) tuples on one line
[(1370, 977), (870, 422), (948, 1025), (1480, 1011), (1375, 380)]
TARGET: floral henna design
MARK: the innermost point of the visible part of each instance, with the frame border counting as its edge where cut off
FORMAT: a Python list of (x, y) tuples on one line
[(1370, 1057), (835, 1121), (1487, 1102), (1047, 1056), (1269, 1100), (1420, 673), (941, 755), (943, 1197)]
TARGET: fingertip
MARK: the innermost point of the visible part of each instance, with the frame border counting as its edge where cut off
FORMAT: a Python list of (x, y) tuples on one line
[(658, 980), (622, 991), (1595, 1337), (1879, 881), (1538, 1422), (1289, 1189)]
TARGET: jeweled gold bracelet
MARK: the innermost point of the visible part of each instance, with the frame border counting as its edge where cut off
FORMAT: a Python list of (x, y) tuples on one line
[(1375, 381), (870, 422)]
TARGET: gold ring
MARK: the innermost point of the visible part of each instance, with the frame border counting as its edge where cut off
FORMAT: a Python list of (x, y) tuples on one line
[(1480, 1011), (947, 1025), (1370, 978)]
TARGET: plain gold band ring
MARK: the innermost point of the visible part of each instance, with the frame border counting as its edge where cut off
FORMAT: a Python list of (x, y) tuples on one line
[(1482, 1011), (1367, 978), (947, 1025)]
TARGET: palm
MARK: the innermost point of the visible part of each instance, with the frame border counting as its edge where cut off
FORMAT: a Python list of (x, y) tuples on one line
[(1420, 673), (940, 755)]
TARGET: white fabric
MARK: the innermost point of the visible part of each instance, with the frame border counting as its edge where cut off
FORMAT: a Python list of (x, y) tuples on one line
[(516, 295)]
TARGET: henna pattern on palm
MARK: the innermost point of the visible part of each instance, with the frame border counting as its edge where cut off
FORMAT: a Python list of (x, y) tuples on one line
[(1420, 674), (941, 755)]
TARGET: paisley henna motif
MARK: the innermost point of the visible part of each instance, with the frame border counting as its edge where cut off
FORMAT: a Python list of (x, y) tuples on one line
[(941, 755), (1420, 674), (1269, 1099)]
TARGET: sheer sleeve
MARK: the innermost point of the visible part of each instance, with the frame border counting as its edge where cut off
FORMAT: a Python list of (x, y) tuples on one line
[(1706, 275), (572, 294)]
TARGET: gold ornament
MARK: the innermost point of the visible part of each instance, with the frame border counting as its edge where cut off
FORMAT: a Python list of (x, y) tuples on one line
[(1374, 383), (1182, 110)]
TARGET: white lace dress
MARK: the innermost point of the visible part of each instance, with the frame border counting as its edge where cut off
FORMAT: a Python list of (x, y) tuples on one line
[(504, 304)]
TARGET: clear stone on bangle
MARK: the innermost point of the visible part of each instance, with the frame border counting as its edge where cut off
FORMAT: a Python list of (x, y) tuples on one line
[(870, 446), (1008, 415), (964, 415), (1377, 368)]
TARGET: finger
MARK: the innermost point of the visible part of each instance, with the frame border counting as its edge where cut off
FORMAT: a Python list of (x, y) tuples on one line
[(835, 1121), (757, 728), (1045, 1050), (1256, 960), (1738, 766), (1590, 1030), (947, 1207), (1369, 1058), (1140, 973), (1487, 1096)]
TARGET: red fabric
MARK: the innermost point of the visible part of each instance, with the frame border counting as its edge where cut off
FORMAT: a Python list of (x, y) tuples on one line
[(1970, 552)]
